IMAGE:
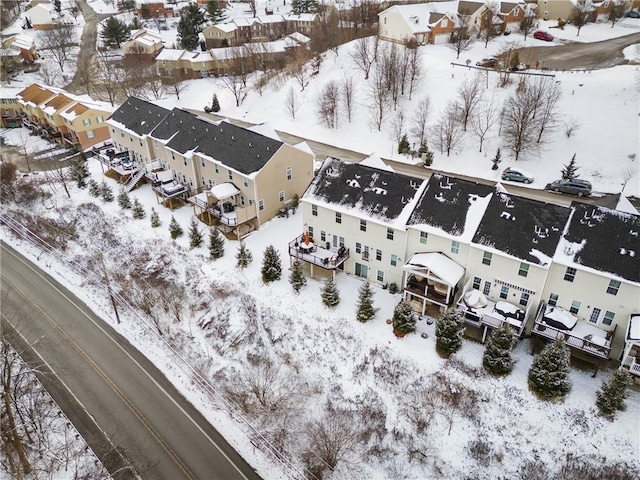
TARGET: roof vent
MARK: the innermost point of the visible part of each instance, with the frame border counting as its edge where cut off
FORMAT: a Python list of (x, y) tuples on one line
[(233, 137), (250, 144)]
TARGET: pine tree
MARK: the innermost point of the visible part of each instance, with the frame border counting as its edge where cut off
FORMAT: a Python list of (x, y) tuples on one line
[(610, 398), (123, 199), (244, 256), (215, 104), (94, 188), (195, 235), (80, 171), (497, 356), (365, 311), (114, 32), (449, 332), (106, 192), (329, 293), (548, 375), (570, 170), (496, 160), (216, 244), (138, 210), (190, 26), (297, 278), (57, 5), (174, 228), (404, 320), (215, 13), (155, 218), (404, 146), (271, 265), (425, 153)]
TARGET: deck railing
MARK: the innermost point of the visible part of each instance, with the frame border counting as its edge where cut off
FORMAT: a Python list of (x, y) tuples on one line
[(632, 364), (322, 257), (543, 330)]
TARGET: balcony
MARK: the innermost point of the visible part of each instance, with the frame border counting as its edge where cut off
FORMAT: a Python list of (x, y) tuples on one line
[(554, 322), (314, 254), (224, 202), (631, 356)]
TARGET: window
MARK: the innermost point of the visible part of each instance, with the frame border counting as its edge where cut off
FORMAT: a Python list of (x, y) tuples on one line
[(486, 258), (86, 122), (389, 233), (423, 237), (378, 255), (184, 160), (575, 307), (394, 260), (614, 286), (361, 270), (553, 299), (455, 246), (202, 162), (380, 276), (230, 175), (323, 236), (358, 247), (444, 23), (203, 180), (314, 210), (310, 230), (608, 317), (524, 299), (341, 241), (338, 217), (524, 269), (570, 274), (250, 202), (260, 205), (90, 134), (476, 283), (99, 119), (365, 253), (289, 173), (595, 315), (487, 288), (281, 196), (245, 181), (363, 225), (504, 292), (215, 167)]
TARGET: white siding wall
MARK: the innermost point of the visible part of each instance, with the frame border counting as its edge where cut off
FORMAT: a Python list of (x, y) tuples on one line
[(393, 26)]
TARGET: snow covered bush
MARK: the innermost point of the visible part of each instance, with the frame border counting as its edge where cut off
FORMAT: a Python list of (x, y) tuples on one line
[(297, 278), (548, 375), (403, 320), (610, 398), (138, 210), (365, 311), (94, 188), (497, 356), (271, 265), (449, 332), (123, 199), (244, 256), (106, 192), (174, 228), (329, 293), (155, 218), (216, 244), (195, 235)]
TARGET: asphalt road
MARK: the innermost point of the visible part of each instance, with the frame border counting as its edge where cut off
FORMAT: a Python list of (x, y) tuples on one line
[(105, 386)]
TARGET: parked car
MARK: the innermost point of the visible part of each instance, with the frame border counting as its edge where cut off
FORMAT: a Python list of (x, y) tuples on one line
[(490, 62), (633, 14), (575, 186), (541, 35), (516, 175)]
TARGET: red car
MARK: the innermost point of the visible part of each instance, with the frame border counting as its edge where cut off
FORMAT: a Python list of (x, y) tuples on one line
[(540, 35)]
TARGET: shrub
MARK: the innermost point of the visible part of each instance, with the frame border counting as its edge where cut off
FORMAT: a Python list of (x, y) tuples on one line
[(548, 375), (449, 332), (404, 320)]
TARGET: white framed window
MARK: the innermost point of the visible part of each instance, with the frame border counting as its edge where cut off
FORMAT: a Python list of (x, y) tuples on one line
[(476, 283), (394, 260), (87, 121), (314, 210), (90, 134), (99, 119), (575, 307), (202, 162), (389, 233), (323, 236), (281, 196), (260, 205), (245, 181), (523, 271), (553, 299), (608, 318), (423, 237), (504, 292), (570, 274), (486, 258), (338, 217), (230, 175), (363, 225), (524, 299), (358, 247), (380, 276), (378, 254), (455, 246), (614, 286), (215, 167), (595, 315), (487, 288), (289, 173)]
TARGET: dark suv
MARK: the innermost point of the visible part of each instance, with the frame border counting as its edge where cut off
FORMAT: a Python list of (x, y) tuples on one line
[(575, 186)]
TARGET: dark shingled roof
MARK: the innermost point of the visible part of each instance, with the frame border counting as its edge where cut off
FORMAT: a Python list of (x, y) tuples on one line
[(139, 115), (379, 193), (243, 150), (445, 203), (517, 226), (611, 240)]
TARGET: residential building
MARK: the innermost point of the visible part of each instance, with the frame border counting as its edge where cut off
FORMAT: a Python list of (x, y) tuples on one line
[(143, 46), (24, 44), (10, 108), (631, 355), (156, 9)]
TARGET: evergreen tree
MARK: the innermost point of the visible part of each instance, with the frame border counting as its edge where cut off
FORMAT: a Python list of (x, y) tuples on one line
[(174, 228), (404, 146), (548, 375), (497, 356), (195, 235), (106, 192), (138, 210), (297, 278), (114, 32), (304, 6), (610, 398), (80, 171), (496, 160), (271, 265), (329, 293), (123, 199), (94, 188), (216, 244), (190, 26), (215, 104), (404, 320), (570, 170), (215, 13), (155, 218), (57, 6), (425, 153), (295, 202), (365, 311), (244, 256), (449, 332)]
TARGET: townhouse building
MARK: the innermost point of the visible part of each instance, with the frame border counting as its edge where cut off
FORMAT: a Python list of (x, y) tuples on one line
[(143, 46), (10, 108)]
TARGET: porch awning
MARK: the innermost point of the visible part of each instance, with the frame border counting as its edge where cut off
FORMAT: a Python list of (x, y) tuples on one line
[(224, 190), (439, 264)]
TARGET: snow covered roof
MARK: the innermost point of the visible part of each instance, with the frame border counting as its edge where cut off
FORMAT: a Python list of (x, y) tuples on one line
[(375, 161), (438, 263), (23, 41), (602, 239), (452, 205), (381, 195), (224, 190), (526, 229), (265, 129), (170, 54), (634, 327), (199, 57), (138, 115), (301, 17), (420, 16), (226, 27), (298, 37)]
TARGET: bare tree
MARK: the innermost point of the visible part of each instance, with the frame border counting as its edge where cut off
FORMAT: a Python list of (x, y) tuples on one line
[(58, 41), (379, 95), (299, 68), (348, 96), (365, 53), (546, 95), (618, 8), (626, 175), (420, 120), (469, 95), (528, 22), (415, 68), (447, 131), (59, 175), (398, 125), (519, 129), (236, 86), (86, 75), (571, 126), (485, 117), (49, 72), (291, 102), (489, 21), (154, 88), (461, 38), (581, 14), (328, 103), (27, 146), (109, 76)]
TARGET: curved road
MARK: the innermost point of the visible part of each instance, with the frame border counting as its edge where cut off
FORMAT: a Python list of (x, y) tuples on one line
[(115, 390)]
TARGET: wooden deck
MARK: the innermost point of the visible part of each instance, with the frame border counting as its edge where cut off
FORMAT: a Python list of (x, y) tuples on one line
[(597, 348), (316, 255)]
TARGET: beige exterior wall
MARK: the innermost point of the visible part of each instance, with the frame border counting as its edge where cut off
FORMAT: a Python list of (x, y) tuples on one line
[(436, 243), (393, 27), (591, 290), (95, 131), (554, 9), (142, 148)]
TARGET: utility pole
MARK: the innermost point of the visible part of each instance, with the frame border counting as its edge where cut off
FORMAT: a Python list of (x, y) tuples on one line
[(113, 300)]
